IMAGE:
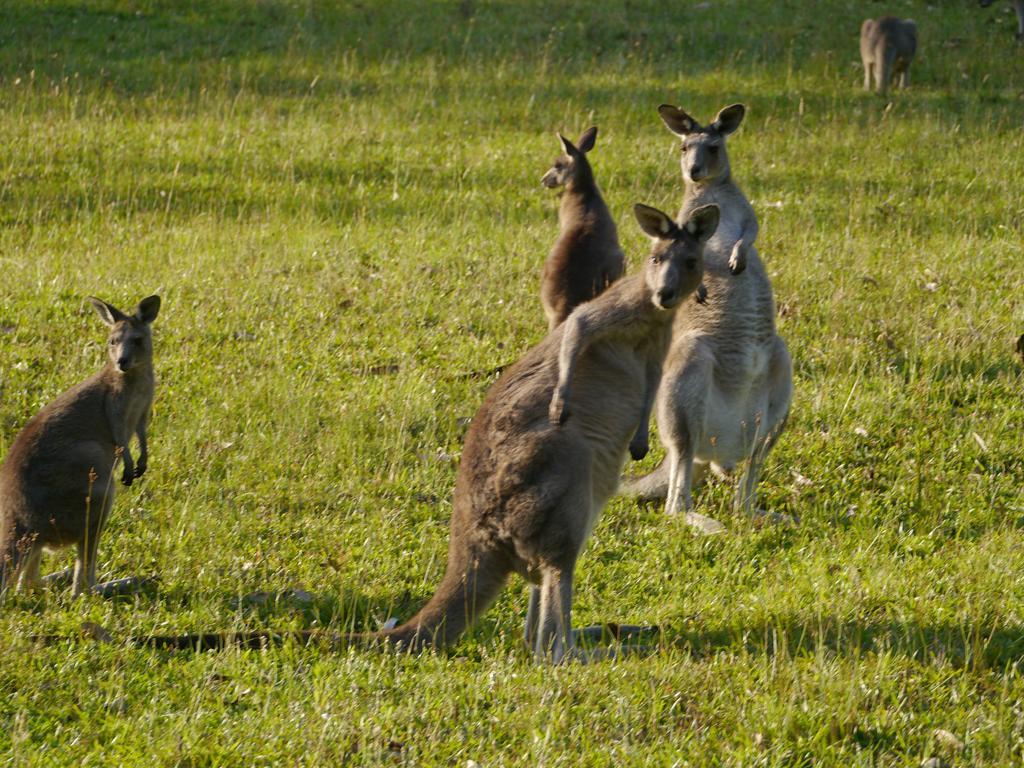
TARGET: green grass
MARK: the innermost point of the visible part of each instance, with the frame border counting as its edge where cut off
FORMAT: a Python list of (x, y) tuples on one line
[(340, 205)]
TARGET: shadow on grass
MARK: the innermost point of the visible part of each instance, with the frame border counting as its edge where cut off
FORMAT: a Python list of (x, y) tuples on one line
[(981, 645)]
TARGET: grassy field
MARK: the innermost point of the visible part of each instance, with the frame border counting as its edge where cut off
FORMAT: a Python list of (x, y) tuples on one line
[(340, 206)]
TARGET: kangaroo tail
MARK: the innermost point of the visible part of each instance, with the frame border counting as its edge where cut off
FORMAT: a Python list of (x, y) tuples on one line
[(649, 487), (464, 593)]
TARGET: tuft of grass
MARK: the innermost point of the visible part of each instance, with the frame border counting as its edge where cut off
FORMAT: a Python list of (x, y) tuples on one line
[(339, 204)]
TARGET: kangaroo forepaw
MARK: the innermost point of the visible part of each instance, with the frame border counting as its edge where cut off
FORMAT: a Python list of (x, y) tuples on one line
[(558, 412), (701, 296), (140, 469), (128, 476), (738, 260)]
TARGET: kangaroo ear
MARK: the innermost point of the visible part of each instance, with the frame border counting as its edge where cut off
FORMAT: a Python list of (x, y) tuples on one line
[(567, 146), (654, 223), (107, 312), (729, 119), (148, 309), (703, 222), (587, 139), (677, 121)]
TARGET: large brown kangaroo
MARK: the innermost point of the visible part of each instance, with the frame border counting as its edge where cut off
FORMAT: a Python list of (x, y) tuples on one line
[(543, 455), (56, 484)]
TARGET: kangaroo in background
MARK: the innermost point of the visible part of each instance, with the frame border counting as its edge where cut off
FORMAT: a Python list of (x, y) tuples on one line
[(1018, 6), (586, 258), (727, 380), (543, 454), (887, 46), (56, 484)]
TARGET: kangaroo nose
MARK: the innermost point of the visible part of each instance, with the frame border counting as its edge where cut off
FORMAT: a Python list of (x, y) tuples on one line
[(123, 363), (665, 296), (694, 171)]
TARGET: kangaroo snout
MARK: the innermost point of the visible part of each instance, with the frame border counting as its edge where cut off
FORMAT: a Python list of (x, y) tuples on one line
[(667, 297), (550, 179), (123, 364)]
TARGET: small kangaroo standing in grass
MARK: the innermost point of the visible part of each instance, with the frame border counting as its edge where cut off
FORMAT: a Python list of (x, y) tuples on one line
[(56, 484), (727, 380), (586, 258), (887, 46), (1018, 6), (543, 454)]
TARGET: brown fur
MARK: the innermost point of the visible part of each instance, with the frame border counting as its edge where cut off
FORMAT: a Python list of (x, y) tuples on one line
[(57, 484), (887, 46), (586, 258), (543, 454)]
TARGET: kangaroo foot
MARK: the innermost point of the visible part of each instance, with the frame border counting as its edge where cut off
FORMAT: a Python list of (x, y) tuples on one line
[(59, 578), (705, 525)]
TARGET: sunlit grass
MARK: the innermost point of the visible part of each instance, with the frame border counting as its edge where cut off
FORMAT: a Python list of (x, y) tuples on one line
[(341, 208)]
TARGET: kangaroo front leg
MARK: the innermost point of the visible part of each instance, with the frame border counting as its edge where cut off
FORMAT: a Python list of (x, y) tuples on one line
[(640, 444), (140, 432)]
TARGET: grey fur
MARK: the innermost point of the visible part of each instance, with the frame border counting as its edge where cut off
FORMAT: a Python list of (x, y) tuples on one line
[(47, 497), (586, 258), (887, 46), (727, 380)]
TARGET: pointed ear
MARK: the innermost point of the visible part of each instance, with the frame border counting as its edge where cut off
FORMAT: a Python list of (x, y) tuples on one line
[(729, 119), (587, 139), (654, 223), (148, 309), (107, 312), (677, 121), (567, 146), (703, 222)]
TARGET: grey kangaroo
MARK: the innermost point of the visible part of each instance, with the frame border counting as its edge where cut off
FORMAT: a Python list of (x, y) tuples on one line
[(543, 454), (56, 484), (887, 46), (727, 380), (586, 258), (1018, 6)]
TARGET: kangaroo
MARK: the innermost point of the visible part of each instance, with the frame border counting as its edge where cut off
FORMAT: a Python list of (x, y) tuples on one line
[(586, 258), (727, 380), (543, 455), (1018, 6), (887, 46), (56, 484)]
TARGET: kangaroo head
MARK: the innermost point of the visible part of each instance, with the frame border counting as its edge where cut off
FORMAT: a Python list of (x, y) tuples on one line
[(676, 265), (130, 343), (571, 169), (704, 158)]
